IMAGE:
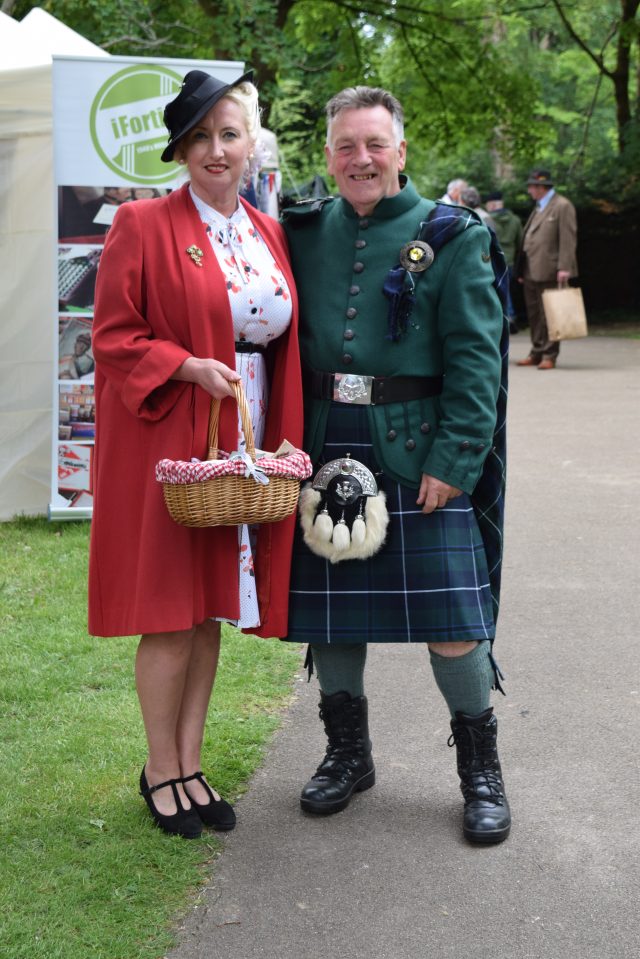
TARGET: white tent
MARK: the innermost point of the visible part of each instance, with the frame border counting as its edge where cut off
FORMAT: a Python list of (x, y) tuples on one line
[(27, 277)]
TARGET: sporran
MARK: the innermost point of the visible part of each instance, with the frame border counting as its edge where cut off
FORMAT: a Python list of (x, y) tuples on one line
[(343, 514)]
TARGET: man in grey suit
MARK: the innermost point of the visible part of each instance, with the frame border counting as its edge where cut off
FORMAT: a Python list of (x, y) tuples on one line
[(548, 261)]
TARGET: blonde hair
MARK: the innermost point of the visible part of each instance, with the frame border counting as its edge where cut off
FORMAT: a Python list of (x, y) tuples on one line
[(246, 96)]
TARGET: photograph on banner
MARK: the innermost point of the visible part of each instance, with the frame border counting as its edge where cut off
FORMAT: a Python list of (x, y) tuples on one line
[(75, 357), (108, 138), (74, 474), (77, 272), (76, 411), (85, 213)]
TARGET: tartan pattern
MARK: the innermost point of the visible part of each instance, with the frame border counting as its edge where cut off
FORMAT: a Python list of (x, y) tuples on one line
[(429, 582), (178, 472), (488, 496)]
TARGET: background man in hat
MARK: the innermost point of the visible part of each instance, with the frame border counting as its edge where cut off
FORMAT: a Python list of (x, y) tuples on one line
[(397, 300), (549, 260)]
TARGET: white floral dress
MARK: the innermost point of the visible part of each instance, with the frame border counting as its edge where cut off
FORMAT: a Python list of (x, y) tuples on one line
[(261, 311)]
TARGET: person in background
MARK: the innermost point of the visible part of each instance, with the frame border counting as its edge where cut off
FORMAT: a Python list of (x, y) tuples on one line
[(401, 335), (194, 292), (471, 197), (548, 260), (454, 192), (508, 228)]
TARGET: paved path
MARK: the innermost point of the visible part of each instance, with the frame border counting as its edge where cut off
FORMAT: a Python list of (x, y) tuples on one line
[(391, 877)]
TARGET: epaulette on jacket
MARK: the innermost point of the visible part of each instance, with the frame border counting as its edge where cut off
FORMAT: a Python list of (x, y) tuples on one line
[(305, 208)]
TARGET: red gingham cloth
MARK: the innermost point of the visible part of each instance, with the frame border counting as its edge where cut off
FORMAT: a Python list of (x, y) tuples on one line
[(178, 472)]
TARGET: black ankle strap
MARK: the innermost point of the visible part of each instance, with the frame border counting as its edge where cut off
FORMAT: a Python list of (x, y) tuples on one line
[(152, 789), (199, 776)]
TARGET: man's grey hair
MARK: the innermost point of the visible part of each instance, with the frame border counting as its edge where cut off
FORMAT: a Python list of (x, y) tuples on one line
[(357, 98), (455, 186)]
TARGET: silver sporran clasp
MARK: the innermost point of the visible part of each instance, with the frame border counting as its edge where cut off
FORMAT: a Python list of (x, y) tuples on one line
[(342, 511)]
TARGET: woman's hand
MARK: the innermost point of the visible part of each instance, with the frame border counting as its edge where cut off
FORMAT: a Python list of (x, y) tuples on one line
[(212, 375), (434, 493)]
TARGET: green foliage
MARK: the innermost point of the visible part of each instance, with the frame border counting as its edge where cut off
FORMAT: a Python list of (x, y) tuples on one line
[(168, 28), (83, 871), (521, 83)]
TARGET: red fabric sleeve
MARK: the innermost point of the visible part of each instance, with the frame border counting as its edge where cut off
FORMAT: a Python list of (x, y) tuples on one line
[(134, 357)]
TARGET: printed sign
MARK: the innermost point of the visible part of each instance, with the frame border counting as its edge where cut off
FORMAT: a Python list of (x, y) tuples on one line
[(126, 123), (108, 135)]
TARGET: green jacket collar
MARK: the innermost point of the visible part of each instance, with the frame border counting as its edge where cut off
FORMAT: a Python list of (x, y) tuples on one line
[(390, 206)]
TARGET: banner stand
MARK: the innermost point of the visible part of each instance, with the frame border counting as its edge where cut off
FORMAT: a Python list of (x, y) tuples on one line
[(108, 135)]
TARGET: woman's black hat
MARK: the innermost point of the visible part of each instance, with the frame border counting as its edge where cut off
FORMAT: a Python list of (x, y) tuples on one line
[(200, 91)]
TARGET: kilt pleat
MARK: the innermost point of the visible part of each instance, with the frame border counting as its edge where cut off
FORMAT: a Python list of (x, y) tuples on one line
[(428, 583)]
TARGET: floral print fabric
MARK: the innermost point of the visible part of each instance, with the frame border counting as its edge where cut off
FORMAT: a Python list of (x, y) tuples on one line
[(260, 304)]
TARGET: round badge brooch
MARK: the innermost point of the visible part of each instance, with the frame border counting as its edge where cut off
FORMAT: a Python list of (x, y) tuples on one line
[(416, 257)]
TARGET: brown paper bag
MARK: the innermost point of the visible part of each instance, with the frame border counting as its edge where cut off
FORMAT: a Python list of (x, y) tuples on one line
[(564, 312)]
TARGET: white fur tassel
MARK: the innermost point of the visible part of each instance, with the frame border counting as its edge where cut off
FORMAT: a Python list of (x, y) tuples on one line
[(323, 527), (358, 531), (341, 537)]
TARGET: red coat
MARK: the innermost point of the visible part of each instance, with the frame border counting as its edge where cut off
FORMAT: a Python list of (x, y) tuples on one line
[(154, 308)]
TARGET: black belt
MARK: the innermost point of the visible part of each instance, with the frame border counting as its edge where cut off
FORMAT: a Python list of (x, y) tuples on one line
[(370, 390), (244, 346)]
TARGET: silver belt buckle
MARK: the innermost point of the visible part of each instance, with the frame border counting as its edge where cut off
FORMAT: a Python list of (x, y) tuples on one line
[(352, 388)]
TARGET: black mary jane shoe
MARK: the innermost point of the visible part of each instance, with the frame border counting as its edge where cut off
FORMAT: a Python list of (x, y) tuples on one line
[(217, 813), (183, 822)]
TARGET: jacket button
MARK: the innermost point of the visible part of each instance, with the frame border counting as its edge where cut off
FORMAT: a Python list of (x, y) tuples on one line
[(364, 224), (349, 334), (358, 267), (347, 358), (351, 312), (425, 427), (410, 445), (479, 447), (391, 435), (354, 290), (360, 244), (465, 445)]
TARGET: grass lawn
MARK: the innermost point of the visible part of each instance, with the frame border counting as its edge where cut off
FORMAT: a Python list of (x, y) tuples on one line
[(83, 871)]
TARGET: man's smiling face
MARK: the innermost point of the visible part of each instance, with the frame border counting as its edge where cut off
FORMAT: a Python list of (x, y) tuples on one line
[(364, 157)]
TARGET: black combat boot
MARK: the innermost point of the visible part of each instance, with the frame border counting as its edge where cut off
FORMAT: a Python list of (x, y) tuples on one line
[(348, 765), (486, 810)]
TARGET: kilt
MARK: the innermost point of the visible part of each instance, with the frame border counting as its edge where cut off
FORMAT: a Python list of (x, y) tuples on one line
[(428, 583)]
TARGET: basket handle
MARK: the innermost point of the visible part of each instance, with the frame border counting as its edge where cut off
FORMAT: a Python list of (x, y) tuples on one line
[(245, 419)]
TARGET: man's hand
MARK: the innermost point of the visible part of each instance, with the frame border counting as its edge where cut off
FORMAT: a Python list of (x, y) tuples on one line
[(434, 493), (563, 277)]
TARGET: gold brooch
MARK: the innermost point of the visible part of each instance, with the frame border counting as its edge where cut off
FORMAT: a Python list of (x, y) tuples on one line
[(416, 256), (195, 253)]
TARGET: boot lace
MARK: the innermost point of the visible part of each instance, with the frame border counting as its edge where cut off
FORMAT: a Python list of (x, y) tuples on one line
[(345, 747), (478, 765)]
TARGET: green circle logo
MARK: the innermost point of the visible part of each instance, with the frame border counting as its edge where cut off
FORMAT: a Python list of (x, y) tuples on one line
[(126, 122)]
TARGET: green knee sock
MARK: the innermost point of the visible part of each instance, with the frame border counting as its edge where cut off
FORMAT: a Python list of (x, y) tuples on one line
[(340, 668), (465, 681)]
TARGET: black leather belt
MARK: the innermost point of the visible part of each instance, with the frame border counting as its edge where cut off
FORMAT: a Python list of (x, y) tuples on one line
[(244, 346), (370, 390)]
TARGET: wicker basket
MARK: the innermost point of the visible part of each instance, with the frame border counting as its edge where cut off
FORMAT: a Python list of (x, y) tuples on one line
[(230, 500)]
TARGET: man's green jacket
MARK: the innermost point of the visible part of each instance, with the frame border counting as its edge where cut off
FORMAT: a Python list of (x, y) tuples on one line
[(340, 262)]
